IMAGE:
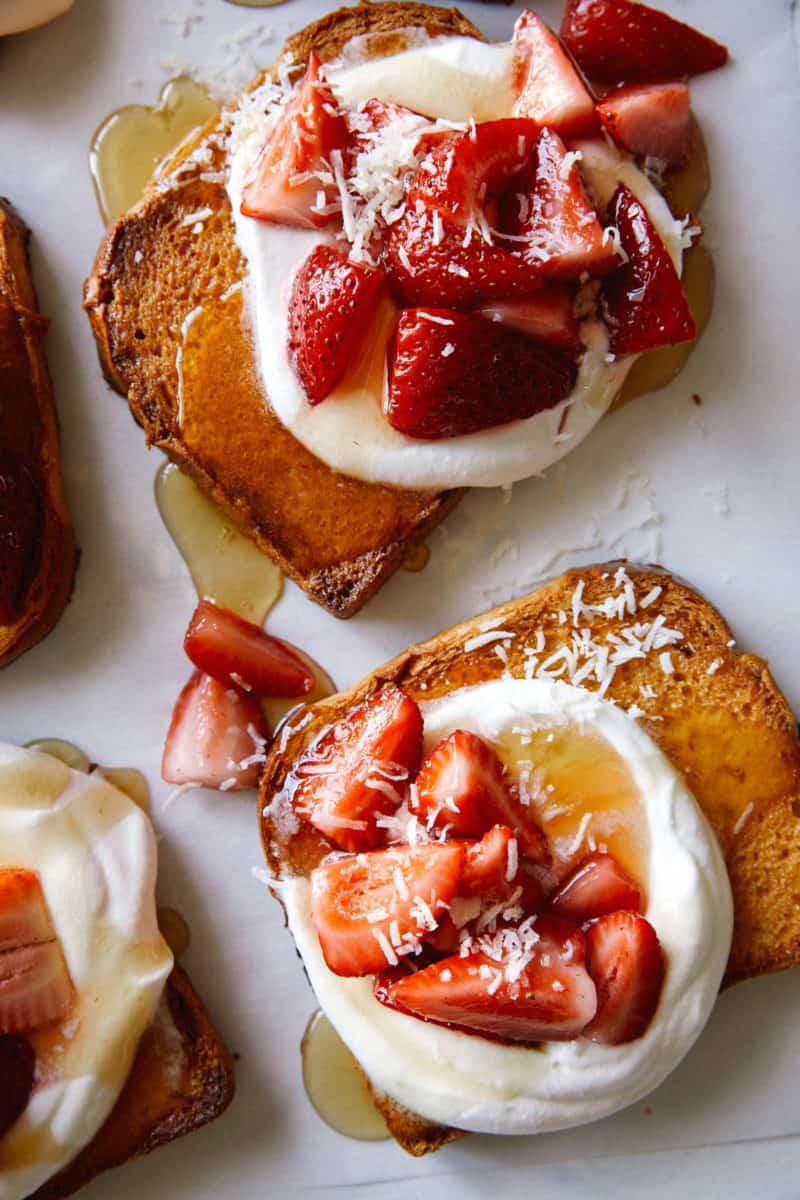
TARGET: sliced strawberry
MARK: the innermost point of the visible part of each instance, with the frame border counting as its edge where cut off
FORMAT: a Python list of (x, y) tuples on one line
[(222, 644), (433, 261), (20, 534), (522, 984), (456, 373), (24, 919), (651, 120), (35, 987), (490, 865), (550, 89), (287, 178), (547, 315), (551, 218), (357, 771), (626, 962), (643, 303), (330, 308), (376, 115), (596, 887), (17, 1066), (622, 42), (463, 177), (371, 910), (216, 736)]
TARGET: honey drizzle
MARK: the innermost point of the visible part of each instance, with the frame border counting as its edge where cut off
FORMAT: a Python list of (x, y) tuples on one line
[(278, 708), (66, 752), (335, 1086)]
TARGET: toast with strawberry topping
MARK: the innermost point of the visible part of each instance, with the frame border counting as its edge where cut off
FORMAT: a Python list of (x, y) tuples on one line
[(464, 970)]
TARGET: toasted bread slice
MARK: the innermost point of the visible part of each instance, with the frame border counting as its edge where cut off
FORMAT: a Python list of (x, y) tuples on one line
[(182, 1078), (338, 537), (29, 437), (716, 713)]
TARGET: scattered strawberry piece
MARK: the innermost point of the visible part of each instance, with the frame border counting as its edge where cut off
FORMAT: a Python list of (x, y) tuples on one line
[(378, 114), (596, 887), (550, 89), (548, 207), (215, 732), (358, 769), (643, 303), (522, 984), (35, 987), (490, 865), (222, 644), (651, 120), (626, 962), (17, 1066), (547, 315), (284, 184), (456, 373), (463, 177), (428, 264), (371, 910), (20, 534), (622, 42), (330, 308)]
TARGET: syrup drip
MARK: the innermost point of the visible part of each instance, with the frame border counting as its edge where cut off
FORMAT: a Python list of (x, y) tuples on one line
[(277, 709), (66, 752), (226, 567), (174, 930), (335, 1087), (131, 782), (130, 143), (417, 557)]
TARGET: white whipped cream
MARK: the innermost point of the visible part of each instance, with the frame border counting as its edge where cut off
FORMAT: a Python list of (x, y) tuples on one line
[(470, 1083), (452, 78), (94, 851)]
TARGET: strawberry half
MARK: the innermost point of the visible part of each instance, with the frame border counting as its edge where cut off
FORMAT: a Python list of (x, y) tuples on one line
[(521, 984), (216, 737), (464, 175), (651, 120), (490, 865), (617, 41), (547, 315), (371, 910), (357, 771), (551, 218), (20, 534), (286, 181), (456, 373), (596, 887), (330, 308), (222, 644), (17, 1067), (35, 987), (643, 303), (550, 89), (626, 962)]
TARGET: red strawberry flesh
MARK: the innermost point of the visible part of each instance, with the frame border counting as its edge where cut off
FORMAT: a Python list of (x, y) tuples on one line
[(216, 737), (547, 315), (626, 962), (651, 120), (225, 646), (550, 89), (596, 887), (35, 987)]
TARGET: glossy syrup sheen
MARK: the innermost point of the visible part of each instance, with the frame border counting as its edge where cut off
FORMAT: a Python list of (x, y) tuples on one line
[(335, 1087)]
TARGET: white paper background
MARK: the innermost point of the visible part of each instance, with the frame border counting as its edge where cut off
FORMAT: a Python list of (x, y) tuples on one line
[(712, 492)]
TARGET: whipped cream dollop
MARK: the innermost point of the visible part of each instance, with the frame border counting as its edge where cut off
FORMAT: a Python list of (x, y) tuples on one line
[(470, 1083), (94, 851), (455, 79)]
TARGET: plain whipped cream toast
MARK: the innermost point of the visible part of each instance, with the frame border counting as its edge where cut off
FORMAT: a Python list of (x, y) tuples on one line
[(520, 859), (402, 289)]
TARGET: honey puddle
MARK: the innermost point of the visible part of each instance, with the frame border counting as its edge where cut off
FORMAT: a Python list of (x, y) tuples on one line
[(174, 930), (66, 752), (417, 557), (335, 1087), (226, 567), (131, 782), (582, 794), (130, 143), (278, 708)]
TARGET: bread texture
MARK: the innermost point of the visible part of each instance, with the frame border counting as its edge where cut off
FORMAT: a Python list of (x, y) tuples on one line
[(29, 434), (338, 537), (715, 712), (182, 1078)]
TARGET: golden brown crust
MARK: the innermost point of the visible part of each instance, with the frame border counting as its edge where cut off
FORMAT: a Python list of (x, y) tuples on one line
[(719, 717), (182, 1078), (26, 392), (338, 537)]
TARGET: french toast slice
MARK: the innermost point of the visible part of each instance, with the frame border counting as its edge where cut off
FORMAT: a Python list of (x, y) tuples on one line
[(338, 537), (716, 713), (182, 1078), (38, 555)]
